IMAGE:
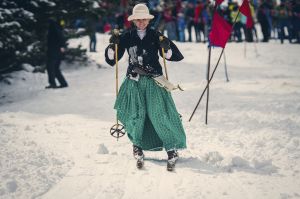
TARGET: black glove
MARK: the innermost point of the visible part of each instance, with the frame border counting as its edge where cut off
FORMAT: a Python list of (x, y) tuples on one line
[(164, 43), (112, 46), (114, 39)]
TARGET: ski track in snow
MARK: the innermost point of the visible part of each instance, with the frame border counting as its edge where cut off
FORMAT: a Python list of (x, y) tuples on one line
[(56, 143)]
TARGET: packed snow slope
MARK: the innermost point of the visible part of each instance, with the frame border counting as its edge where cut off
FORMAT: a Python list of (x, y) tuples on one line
[(55, 144)]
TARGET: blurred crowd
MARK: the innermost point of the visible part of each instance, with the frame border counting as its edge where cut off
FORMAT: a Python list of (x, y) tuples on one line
[(190, 20)]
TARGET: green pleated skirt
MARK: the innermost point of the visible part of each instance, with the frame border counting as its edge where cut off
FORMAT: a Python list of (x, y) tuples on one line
[(149, 115)]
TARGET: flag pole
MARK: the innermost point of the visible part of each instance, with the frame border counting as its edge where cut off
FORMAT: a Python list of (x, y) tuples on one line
[(212, 75), (245, 48), (208, 74), (225, 65), (213, 72), (256, 52)]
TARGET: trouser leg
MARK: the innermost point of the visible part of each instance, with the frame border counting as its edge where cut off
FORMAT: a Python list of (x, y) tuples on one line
[(51, 72), (59, 75), (190, 24)]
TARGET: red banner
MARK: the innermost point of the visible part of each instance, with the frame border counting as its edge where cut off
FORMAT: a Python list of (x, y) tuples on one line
[(220, 31)]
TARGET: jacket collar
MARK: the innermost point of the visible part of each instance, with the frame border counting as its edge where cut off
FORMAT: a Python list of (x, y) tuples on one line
[(134, 31)]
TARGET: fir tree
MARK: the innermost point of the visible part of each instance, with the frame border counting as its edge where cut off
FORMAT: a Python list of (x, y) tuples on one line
[(24, 24)]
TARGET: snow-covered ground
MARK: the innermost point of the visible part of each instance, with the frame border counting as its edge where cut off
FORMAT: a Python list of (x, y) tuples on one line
[(55, 144)]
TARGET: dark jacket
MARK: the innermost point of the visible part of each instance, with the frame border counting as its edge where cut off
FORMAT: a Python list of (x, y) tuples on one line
[(143, 53), (55, 39)]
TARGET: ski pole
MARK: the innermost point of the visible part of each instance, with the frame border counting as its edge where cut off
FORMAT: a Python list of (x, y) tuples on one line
[(117, 71), (164, 57), (165, 65), (117, 128), (116, 32)]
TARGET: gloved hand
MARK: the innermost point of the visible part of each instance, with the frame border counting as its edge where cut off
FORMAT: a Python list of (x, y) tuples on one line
[(112, 46), (164, 43), (114, 39)]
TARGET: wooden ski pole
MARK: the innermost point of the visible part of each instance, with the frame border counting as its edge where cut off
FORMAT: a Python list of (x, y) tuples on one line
[(117, 73), (165, 65), (117, 129), (116, 32)]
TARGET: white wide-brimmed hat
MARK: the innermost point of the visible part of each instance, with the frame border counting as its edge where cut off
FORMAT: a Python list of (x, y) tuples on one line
[(140, 11)]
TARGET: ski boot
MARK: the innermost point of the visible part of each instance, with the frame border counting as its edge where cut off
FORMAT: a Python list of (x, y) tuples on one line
[(172, 158), (139, 156)]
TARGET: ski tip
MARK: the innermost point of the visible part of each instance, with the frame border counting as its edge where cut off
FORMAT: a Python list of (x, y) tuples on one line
[(170, 167), (140, 164)]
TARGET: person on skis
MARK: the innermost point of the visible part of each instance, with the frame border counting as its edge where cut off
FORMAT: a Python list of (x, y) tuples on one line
[(145, 108)]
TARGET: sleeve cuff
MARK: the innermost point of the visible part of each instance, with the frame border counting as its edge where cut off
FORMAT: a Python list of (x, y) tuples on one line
[(110, 54), (169, 54)]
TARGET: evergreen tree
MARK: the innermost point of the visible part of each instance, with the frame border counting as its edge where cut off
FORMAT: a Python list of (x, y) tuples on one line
[(24, 24)]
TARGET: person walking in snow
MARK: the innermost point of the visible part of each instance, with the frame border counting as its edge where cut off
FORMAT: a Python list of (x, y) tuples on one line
[(55, 49), (146, 109), (181, 26), (91, 30)]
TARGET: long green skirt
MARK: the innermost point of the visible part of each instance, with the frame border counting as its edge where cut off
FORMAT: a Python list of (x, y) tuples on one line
[(149, 115)]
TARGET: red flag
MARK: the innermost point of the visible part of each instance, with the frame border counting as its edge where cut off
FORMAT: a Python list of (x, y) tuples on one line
[(245, 9), (219, 1), (220, 31)]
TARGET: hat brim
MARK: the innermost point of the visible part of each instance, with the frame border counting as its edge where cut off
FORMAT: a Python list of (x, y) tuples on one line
[(140, 16)]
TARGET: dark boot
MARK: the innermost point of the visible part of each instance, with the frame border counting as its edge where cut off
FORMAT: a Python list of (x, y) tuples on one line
[(139, 156), (137, 152), (51, 86), (172, 158)]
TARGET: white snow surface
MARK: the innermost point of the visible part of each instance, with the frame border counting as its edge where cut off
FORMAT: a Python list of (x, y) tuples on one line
[(55, 144)]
